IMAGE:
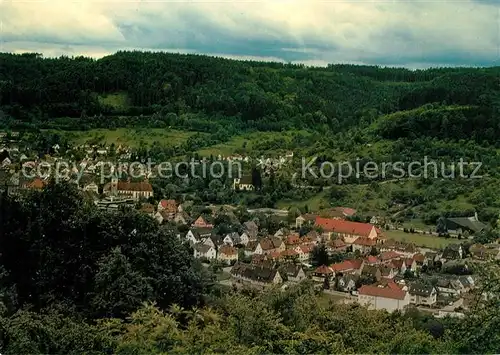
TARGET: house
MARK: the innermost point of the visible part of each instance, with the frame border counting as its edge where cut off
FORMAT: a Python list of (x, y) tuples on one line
[(162, 216), (347, 230), (192, 237), (336, 246), (201, 223), (134, 190), (170, 206), (181, 218), (467, 283), (347, 283), (363, 244), (204, 251), (389, 298), (270, 245), (253, 275), (251, 228), (227, 254), (294, 273), (322, 272), (452, 252), (231, 239), (448, 287), (460, 225), (304, 252), (347, 266), (243, 183), (304, 219), (422, 294), (388, 256), (250, 247), (244, 239)]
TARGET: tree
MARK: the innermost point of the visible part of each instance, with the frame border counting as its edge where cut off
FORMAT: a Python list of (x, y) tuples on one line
[(441, 228), (319, 255)]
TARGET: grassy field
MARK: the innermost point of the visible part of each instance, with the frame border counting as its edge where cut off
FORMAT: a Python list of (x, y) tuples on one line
[(129, 137), (423, 240), (254, 143), (117, 100)]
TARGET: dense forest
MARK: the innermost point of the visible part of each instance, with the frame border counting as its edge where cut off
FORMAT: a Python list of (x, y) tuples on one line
[(76, 280), (213, 94)]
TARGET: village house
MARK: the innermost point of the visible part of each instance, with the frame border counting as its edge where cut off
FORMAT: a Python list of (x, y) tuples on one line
[(227, 254), (269, 245), (364, 245), (372, 271), (204, 251), (321, 273), (192, 237), (453, 252), (347, 230), (389, 298), (294, 273), (422, 294), (231, 239), (336, 246), (250, 247), (347, 282), (181, 218), (201, 223), (347, 266), (162, 216), (255, 276), (448, 287), (169, 206), (251, 229)]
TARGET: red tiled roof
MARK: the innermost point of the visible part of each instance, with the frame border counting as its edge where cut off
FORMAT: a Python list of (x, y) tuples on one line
[(323, 269), (340, 226), (348, 211), (292, 239), (388, 255), (385, 292), (347, 265), (337, 243), (169, 205), (37, 183), (372, 259), (409, 262)]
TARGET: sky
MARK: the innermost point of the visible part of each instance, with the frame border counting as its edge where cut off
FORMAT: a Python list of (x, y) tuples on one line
[(412, 34)]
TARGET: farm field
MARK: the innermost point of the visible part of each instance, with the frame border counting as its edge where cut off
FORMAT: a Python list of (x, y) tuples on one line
[(129, 137), (423, 240)]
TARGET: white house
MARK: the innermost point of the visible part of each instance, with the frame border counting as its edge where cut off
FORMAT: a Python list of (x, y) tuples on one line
[(389, 298), (204, 251), (421, 294)]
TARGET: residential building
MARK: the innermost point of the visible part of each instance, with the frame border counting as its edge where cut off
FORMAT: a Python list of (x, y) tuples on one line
[(204, 251), (270, 245), (363, 244), (389, 298), (294, 273), (461, 225), (257, 276), (227, 254), (201, 223), (347, 283), (92, 187), (169, 206), (422, 294)]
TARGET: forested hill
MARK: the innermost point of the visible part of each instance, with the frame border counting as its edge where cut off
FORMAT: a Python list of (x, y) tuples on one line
[(250, 95)]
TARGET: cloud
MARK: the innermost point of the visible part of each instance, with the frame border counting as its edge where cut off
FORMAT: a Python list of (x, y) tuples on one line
[(398, 33)]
